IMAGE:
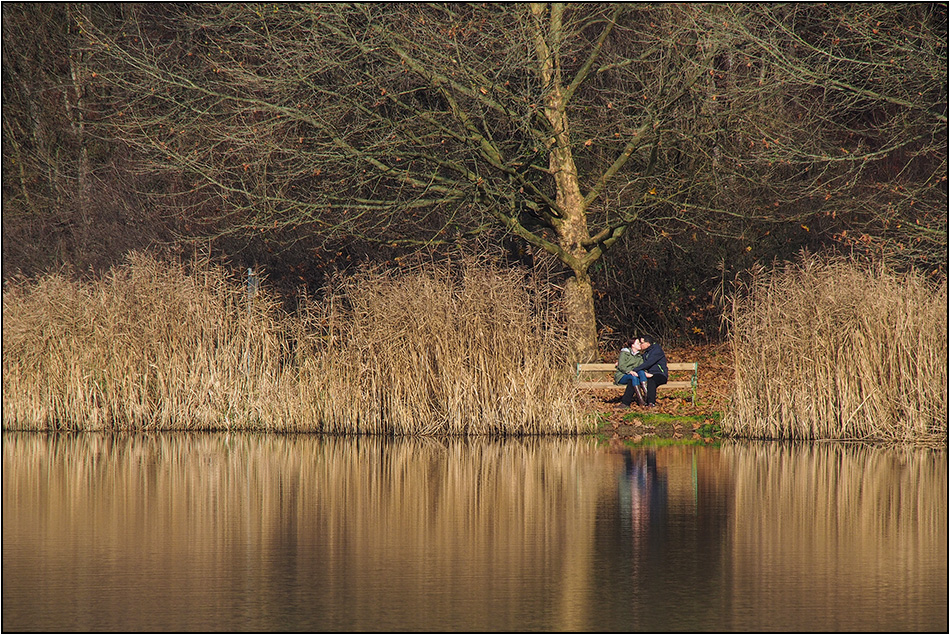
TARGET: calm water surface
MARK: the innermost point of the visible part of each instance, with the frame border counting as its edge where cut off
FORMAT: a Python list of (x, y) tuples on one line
[(225, 532)]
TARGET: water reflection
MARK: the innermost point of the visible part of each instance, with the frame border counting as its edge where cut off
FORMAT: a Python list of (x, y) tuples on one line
[(642, 495), (850, 537), (209, 532), (664, 544), (205, 532)]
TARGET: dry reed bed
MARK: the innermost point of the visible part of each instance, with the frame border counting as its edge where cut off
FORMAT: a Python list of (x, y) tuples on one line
[(828, 349), (157, 345)]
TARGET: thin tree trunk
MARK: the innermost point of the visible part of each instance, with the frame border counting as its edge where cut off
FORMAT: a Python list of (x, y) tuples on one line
[(75, 114)]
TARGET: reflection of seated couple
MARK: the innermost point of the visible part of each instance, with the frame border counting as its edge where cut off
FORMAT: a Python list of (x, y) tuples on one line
[(643, 491), (642, 367)]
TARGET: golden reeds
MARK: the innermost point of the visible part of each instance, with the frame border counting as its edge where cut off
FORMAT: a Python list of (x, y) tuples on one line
[(459, 354), (467, 350), (829, 349)]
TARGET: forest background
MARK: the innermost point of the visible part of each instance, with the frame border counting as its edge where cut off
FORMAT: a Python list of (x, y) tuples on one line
[(643, 156)]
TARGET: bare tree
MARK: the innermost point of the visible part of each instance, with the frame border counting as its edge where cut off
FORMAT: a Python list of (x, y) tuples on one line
[(565, 125), (45, 159), (851, 129), (65, 196)]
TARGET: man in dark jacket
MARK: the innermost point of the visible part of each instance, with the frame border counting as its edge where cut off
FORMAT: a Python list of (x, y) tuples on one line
[(656, 367)]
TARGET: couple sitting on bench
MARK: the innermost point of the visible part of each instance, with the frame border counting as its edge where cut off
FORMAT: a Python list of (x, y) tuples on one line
[(642, 367)]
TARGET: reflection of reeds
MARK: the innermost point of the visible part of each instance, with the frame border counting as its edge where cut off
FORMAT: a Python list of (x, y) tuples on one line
[(878, 513), (462, 525), (154, 345), (828, 349)]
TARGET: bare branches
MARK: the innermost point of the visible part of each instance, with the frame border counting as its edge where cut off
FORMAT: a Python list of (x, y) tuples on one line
[(359, 118)]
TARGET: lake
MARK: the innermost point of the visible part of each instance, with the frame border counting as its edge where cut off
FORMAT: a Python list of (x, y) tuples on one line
[(257, 532)]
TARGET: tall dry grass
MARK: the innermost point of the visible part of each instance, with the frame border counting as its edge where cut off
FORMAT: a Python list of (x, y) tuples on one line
[(473, 350), (150, 345), (157, 345), (830, 349)]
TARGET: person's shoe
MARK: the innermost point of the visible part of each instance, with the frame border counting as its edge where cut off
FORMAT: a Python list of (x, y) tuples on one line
[(651, 405)]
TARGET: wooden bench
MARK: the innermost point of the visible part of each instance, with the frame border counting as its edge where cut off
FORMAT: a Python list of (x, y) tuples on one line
[(601, 376)]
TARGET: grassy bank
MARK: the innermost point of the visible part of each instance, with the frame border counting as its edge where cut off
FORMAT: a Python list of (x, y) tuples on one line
[(833, 350), (158, 345)]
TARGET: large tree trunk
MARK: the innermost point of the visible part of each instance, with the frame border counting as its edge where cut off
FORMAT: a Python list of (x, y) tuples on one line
[(571, 223), (581, 320), (572, 232)]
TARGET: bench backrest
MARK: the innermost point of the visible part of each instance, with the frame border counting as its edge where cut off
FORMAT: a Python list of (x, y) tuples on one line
[(600, 367)]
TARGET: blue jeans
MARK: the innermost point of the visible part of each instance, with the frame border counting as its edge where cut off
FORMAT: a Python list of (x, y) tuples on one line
[(639, 378)]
